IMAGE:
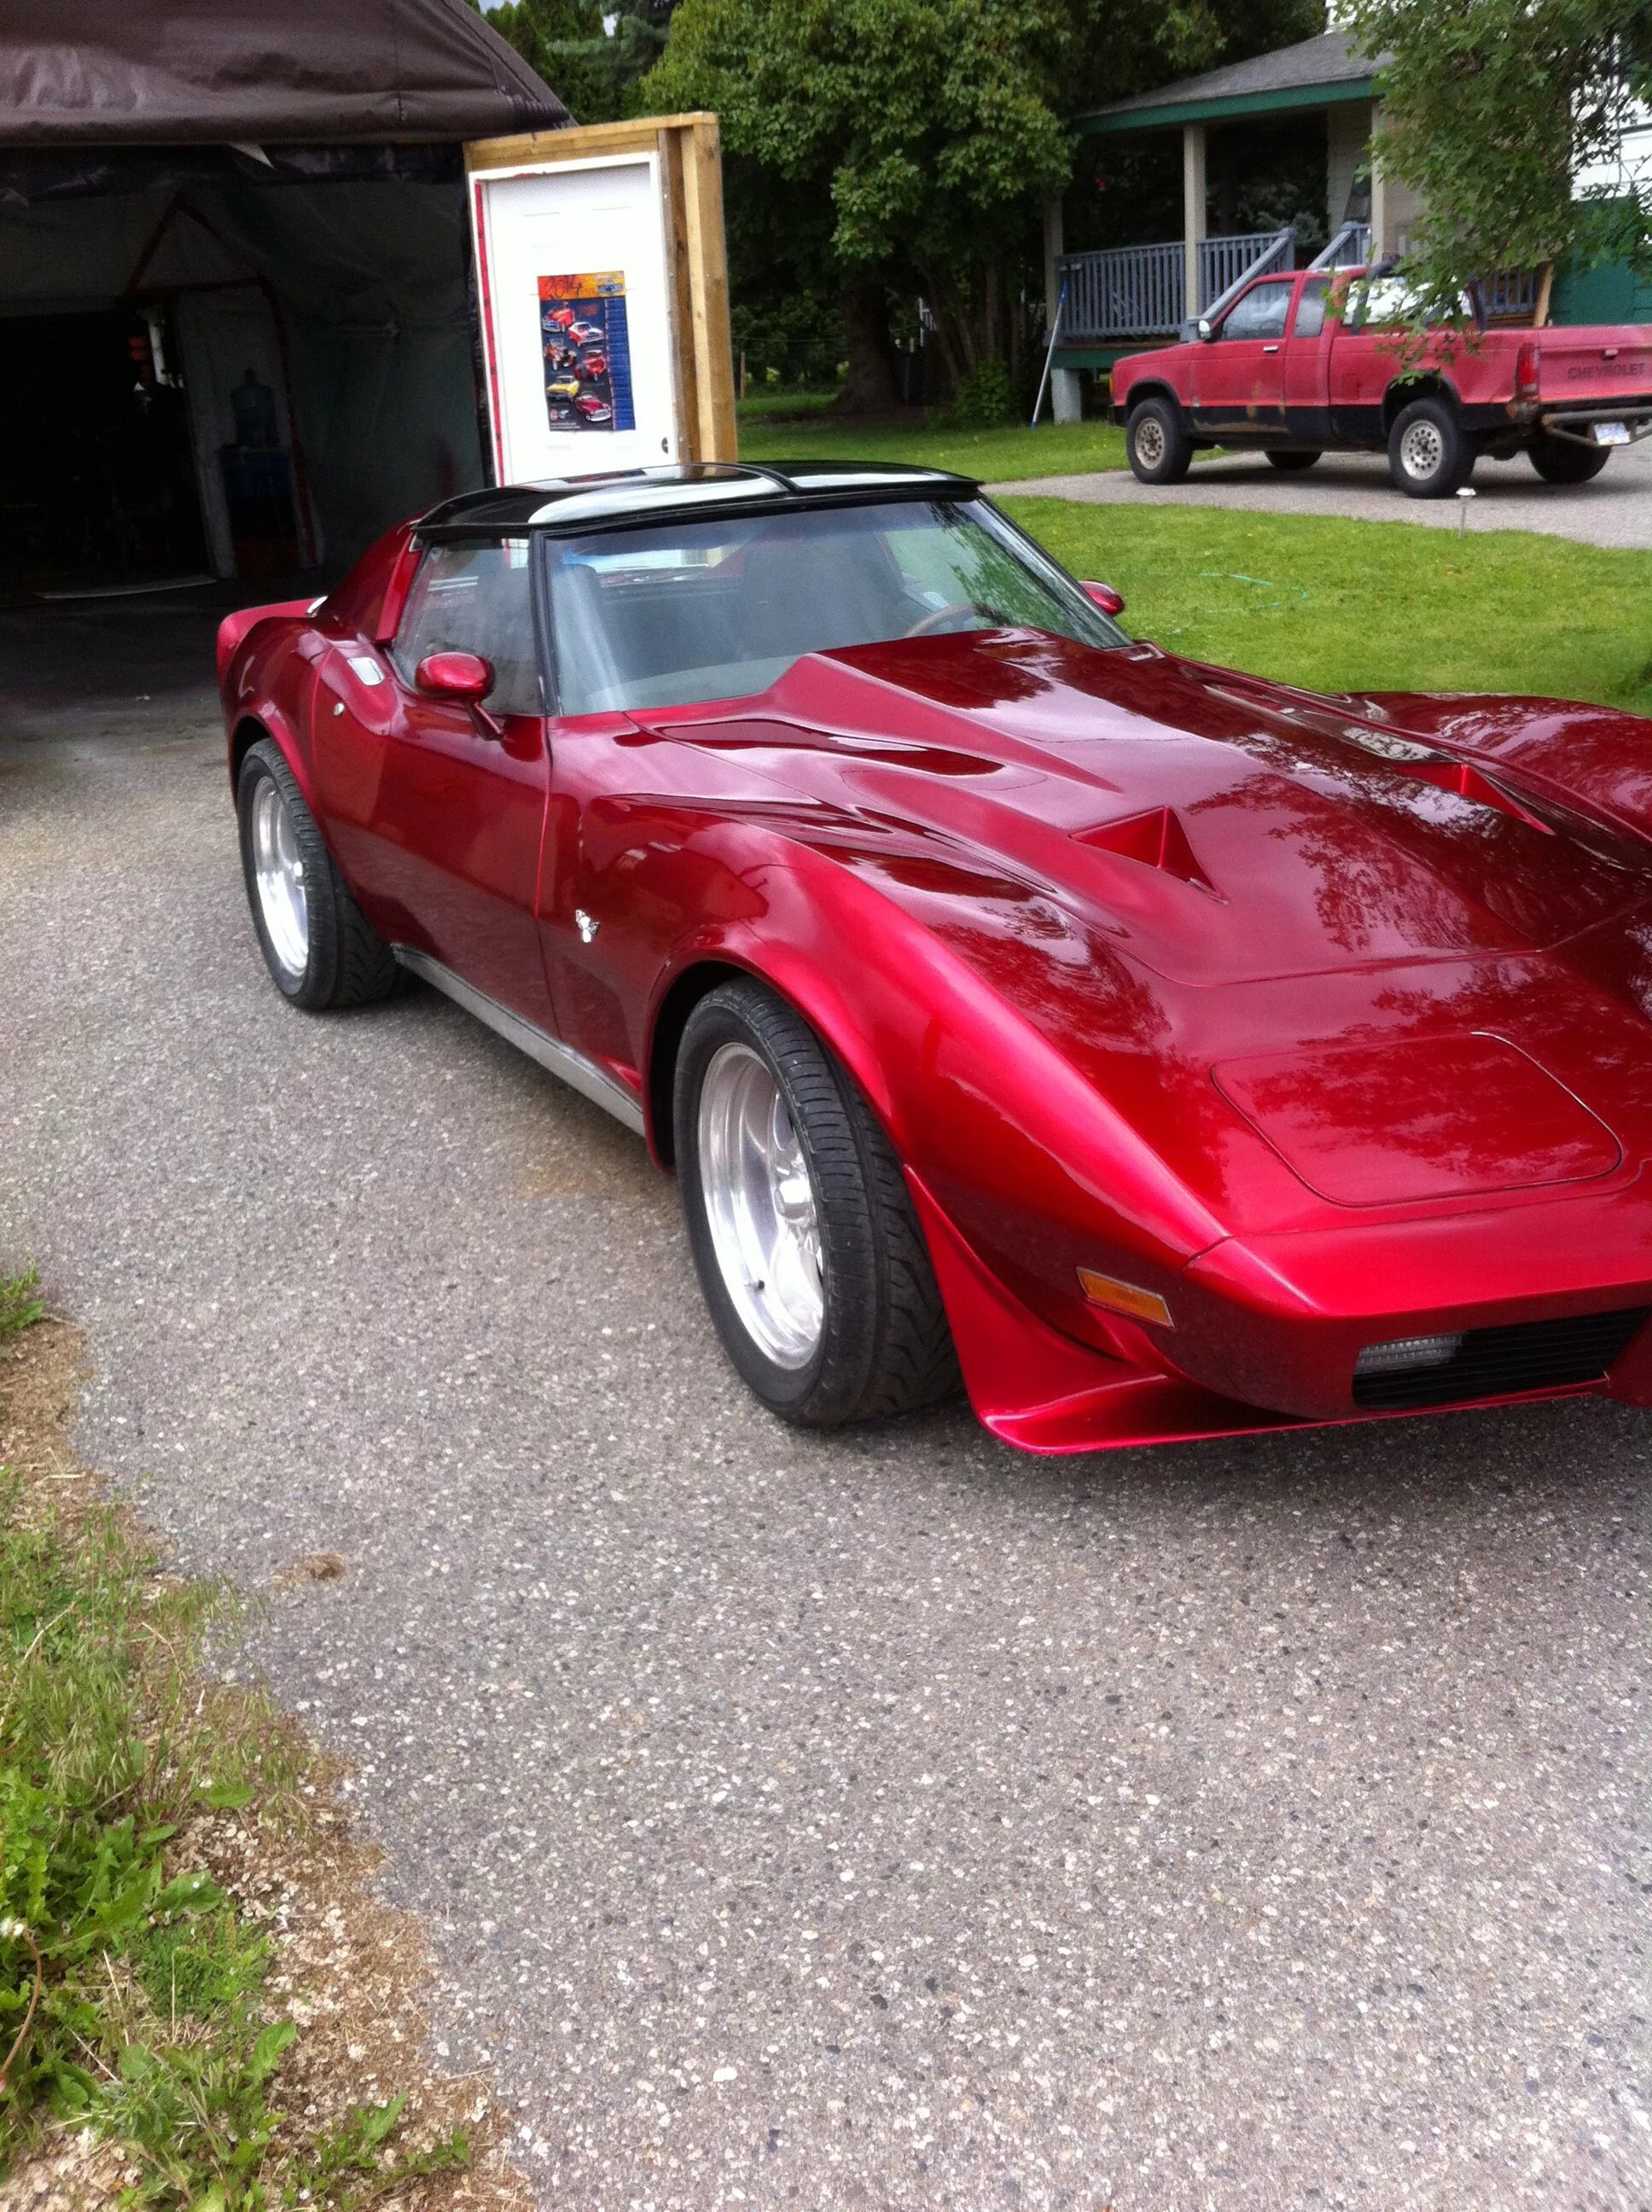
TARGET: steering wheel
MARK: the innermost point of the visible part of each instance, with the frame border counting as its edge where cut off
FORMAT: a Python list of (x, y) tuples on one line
[(926, 625)]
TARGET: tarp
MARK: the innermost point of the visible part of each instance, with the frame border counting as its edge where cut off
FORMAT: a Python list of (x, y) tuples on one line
[(215, 72)]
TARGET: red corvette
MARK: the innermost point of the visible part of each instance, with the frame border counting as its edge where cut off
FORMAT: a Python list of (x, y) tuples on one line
[(1171, 1052)]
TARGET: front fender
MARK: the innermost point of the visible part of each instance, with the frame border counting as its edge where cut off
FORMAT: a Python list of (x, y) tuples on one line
[(1038, 1170), (1597, 758)]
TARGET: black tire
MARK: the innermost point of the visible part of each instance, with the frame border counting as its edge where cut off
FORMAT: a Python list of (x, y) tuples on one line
[(1292, 461), (345, 961), (1156, 443), (1556, 460), (1430, 454), (883, 1346)]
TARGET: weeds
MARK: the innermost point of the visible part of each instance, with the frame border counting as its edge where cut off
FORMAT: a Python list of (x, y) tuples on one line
[(20, 1308), (134, 1994)]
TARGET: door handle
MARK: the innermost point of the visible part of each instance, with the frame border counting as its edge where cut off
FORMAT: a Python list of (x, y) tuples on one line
[(1270, 349)]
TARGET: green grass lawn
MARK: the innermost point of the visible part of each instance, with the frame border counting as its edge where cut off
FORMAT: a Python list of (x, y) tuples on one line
[(1369, 606), (1001, 456)]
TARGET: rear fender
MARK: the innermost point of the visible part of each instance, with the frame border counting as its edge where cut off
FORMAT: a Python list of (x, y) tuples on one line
[(269, 721), (1433, 385), (235, 629)]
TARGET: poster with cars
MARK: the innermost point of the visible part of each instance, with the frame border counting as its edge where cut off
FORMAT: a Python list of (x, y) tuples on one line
[(587, 352)]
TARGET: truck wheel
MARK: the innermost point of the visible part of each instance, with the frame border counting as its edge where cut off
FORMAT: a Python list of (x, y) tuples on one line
[(1158, 448), (799, 1220), (319, 947), (1292, 461), (1428, 456), (1556, 460)]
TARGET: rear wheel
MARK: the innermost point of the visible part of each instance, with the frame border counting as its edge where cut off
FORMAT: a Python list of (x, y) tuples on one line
[(1430, 457), (320, 949), (801, 1225), (1292, 461), (1156, 445), (1556, 460)]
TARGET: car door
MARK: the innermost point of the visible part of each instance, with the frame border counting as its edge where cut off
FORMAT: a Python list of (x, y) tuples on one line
[(1239, 374), (436, 810), (1306, 365)]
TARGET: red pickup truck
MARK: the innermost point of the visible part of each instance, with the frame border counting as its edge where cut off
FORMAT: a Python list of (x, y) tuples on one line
[(1296, 365)]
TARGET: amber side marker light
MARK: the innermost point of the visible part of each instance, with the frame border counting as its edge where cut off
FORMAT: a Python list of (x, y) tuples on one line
[(1124, 1298)]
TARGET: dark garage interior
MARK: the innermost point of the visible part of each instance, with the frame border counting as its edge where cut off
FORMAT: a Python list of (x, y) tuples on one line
[(237, 336)]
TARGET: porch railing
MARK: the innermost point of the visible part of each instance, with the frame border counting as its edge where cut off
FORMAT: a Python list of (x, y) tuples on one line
[(1140, 291), (1511, 297), (1350, 249)]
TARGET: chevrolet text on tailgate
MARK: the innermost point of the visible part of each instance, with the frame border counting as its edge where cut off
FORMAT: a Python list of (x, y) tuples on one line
[(1163, 1052), (1298, 365)]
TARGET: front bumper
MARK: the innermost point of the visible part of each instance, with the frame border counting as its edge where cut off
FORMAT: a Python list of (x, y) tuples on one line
[(1268, 1330)]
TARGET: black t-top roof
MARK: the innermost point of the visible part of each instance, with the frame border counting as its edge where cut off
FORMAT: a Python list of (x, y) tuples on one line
[(635, 498)]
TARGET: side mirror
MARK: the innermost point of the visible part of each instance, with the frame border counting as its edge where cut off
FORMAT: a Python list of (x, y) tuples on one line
[(1206, 329), (465, 678), (1110, 601)]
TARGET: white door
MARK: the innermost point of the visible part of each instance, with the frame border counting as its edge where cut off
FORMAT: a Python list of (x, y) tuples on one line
[(576, 314)]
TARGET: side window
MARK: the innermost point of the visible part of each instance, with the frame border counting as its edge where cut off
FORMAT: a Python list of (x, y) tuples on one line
[(476, 598), (1260, 313), (1310, 309)]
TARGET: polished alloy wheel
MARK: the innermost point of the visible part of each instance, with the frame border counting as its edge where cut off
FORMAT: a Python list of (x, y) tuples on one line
[(761, 1205), (278, 872), (1422, 451), (1150, 442)]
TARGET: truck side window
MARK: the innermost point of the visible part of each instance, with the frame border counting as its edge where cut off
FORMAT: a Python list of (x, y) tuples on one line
[(1261, 313), (1310, 309), (476, 598)]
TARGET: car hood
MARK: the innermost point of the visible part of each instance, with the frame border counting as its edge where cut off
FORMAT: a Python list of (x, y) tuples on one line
[(1216, 827)]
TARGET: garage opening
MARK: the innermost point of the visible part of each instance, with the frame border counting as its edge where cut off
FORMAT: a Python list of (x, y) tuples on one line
[(97, 472), (237, 300)]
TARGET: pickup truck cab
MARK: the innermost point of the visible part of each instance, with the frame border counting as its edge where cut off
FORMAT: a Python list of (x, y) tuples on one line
[(1298, 365)]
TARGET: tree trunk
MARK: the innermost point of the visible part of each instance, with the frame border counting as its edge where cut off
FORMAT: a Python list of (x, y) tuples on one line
[(869, 388)]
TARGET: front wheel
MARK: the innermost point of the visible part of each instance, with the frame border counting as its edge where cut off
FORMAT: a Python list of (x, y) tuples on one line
[(1155, 443), (1429, 456), (1556, 460), (799, 1220), (320, 949), (1292, 461)]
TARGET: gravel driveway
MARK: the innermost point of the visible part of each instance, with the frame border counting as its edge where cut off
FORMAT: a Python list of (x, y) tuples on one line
[(886, 1820), (1615, 510)]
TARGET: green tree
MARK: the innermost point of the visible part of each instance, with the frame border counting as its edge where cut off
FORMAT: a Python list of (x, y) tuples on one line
[(1489, 109), (594, 69), (900, 146)]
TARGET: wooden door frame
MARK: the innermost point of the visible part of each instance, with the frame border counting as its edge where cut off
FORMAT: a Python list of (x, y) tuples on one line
[(689, 151)]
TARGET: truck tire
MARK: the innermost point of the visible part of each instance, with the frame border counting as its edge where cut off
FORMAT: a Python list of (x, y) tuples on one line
[(1556, 460), (1429, 455), (1292, 460), (1159, 448)]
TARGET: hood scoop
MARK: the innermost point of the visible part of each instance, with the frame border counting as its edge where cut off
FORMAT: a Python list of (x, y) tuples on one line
[(1405, 756), (1157, 840)]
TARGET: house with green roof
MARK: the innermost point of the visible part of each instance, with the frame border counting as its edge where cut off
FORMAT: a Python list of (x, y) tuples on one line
[(1115, 301)]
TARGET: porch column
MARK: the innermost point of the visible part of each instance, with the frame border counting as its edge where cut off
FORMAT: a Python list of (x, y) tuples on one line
[(1192, 204), (1065, 398), (1381, 243)]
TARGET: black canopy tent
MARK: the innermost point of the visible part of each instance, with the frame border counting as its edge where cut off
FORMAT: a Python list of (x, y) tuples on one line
[(235, 328)]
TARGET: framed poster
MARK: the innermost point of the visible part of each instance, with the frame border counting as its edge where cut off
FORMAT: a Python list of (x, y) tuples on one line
[(585, 339), (603, 292)]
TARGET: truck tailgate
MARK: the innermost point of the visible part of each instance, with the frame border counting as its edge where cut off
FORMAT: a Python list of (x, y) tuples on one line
[(1582, 365)]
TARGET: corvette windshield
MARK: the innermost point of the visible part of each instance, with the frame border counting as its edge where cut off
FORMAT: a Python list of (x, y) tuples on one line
[(686, 612)]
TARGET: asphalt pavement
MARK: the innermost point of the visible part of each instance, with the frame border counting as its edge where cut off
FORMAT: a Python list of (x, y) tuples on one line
[(1615, 511), (883, 1819)]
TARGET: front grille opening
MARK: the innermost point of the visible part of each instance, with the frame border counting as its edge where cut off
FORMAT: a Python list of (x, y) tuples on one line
[(1491, 1363)]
